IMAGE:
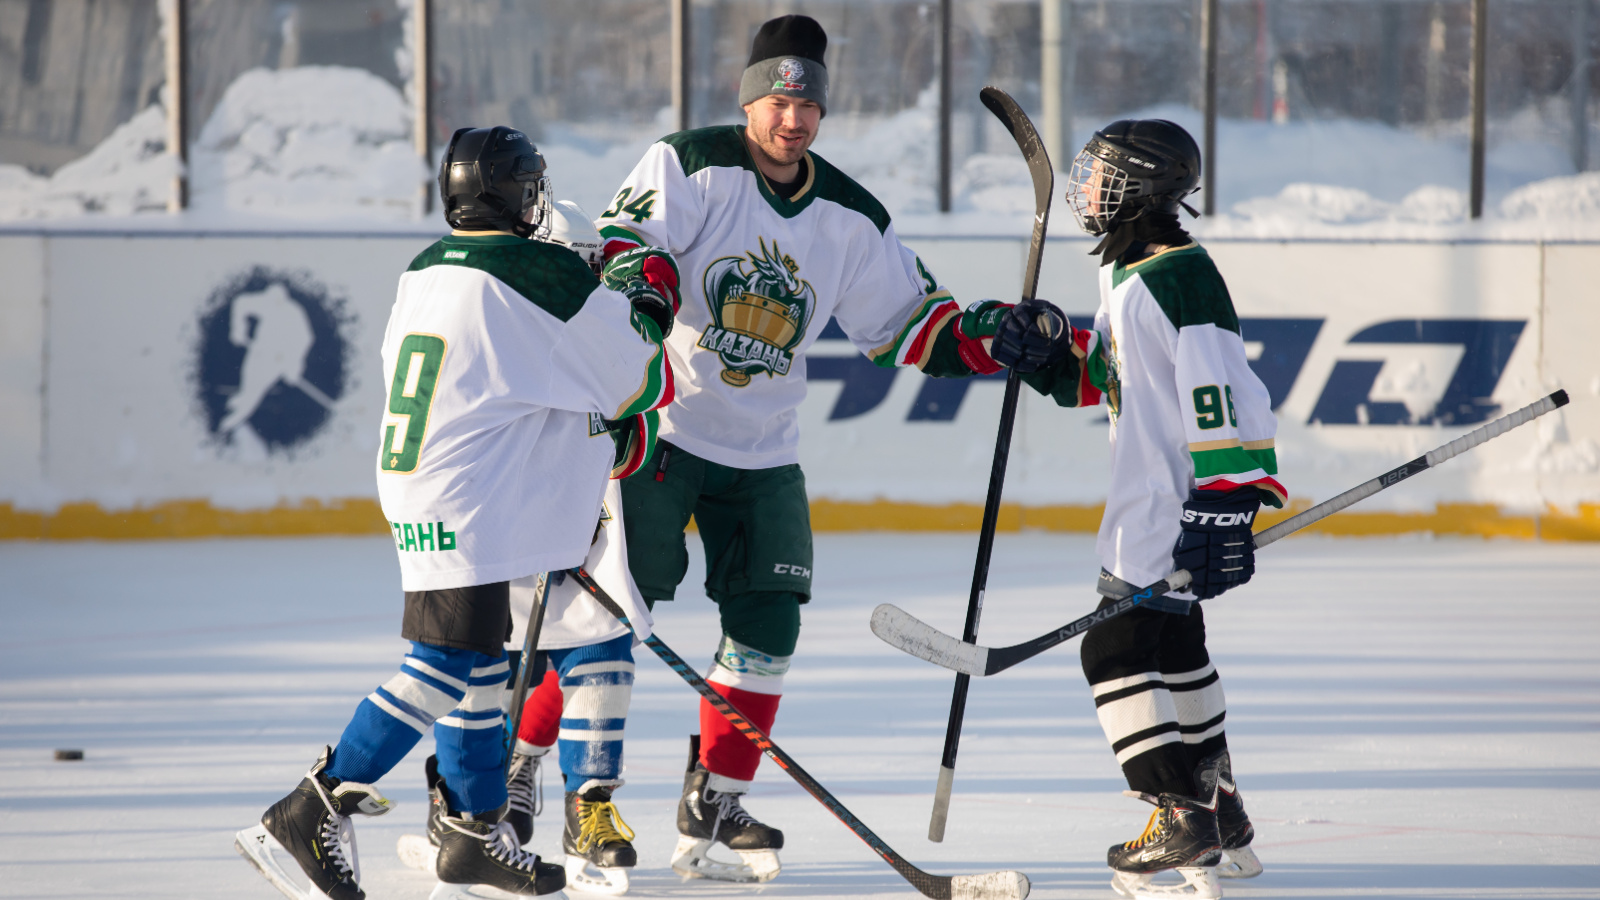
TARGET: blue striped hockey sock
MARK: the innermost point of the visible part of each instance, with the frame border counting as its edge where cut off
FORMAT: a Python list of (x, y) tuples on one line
[(596, 687)]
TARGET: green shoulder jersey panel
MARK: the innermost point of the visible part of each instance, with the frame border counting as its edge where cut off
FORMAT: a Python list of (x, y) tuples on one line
[(724, 146), (549, 276), (719, 146), (1187, 286)]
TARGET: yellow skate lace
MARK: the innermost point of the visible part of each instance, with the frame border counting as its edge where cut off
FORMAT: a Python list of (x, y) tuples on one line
[(1153, 830), (598, 825)]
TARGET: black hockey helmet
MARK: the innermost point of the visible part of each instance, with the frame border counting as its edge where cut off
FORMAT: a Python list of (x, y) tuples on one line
[(490, 178), (1129, 167)]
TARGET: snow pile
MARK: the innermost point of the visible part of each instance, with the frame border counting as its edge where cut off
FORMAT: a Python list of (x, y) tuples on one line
[(1556, 199), (309, 142), (129, 172), (333, 143)]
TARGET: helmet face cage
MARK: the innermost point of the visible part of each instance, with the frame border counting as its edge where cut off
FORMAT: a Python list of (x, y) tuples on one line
[(537, 216), (1096, 190)]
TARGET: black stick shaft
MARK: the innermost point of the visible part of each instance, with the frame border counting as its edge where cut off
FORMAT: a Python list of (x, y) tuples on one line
[(530, 647), (938, 887), (980, 570)]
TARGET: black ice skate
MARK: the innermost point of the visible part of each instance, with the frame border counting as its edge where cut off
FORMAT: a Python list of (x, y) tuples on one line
[(524, 793), (312, 827), (706, 816), (1182, 836), (1238, 860), (597, 836), (416, 850), (479, 858)]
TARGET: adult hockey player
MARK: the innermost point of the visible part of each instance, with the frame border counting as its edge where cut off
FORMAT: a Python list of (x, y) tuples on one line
[(1192, 461), (772, 241), (503, 357)]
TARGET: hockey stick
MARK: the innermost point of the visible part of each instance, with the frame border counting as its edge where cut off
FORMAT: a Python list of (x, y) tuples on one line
[(530, 646), (900, 629), (1016, 122), (988, 886)]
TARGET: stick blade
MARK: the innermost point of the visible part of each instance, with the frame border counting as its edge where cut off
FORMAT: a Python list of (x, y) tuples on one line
[(905, 632), (990, 886)]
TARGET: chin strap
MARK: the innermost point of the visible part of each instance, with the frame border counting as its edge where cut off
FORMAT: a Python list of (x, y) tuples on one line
[(1153, 227)]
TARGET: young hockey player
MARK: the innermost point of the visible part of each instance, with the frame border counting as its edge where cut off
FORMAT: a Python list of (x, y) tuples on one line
[(773, 242), (1192, 461), (504, 358), (588, 652)]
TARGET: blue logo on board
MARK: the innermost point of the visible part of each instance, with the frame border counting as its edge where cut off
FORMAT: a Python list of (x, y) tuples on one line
[(271, 359)]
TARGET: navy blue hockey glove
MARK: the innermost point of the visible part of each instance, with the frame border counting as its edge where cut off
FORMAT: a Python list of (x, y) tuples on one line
[(1216, 544), (1032, 335)]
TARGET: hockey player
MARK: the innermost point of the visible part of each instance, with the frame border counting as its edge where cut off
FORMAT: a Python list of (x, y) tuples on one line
[(588, 651), (504, 358), (1192, 461), (773, 241)]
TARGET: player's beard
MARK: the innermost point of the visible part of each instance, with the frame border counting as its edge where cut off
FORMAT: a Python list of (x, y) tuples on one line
[(764, 143)]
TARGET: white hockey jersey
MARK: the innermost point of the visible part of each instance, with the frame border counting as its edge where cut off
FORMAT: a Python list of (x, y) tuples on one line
[(501, 357), (1166, 356), (572, 618), (761, 274)]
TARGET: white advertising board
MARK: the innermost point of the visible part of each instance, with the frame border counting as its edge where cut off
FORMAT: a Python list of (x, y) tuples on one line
[(242, 371)]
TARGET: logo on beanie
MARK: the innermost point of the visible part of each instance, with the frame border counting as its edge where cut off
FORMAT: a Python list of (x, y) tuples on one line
[(790, 71)]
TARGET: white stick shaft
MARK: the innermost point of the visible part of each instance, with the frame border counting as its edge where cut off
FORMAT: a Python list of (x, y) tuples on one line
[(1433, 457)]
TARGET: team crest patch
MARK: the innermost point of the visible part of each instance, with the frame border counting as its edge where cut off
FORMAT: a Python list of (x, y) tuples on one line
[(790, 71), (760, 308)]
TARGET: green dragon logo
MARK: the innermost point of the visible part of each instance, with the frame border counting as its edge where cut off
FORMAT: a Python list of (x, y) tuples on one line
[(760, 308)]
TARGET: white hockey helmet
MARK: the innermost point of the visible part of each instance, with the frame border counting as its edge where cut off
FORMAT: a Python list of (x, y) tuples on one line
[(572, 228)]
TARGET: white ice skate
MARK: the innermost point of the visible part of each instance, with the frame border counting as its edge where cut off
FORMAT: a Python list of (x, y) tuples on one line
[(589, 879), (444, 891), (691, 860), (276, 864), (1199, 883), (1239, 862)]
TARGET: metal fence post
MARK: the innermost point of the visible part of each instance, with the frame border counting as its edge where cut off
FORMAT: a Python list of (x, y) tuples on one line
[(176, 48), (1055, 78), (422, 96), (1480, 29), (1208, 61), (681, 65), (1579, 98), (944, 103)]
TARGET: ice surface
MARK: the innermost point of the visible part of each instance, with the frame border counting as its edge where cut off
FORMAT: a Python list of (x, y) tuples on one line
[(1410, 718), (332, 145)]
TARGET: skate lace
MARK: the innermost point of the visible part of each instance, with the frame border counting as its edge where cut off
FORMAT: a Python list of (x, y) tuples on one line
[(728, 810), (599, 824), (502, 844), (337, 831), (525, 787), (1154, 830)]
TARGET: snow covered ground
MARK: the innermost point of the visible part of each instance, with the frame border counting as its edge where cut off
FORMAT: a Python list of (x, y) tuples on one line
[(1410, 718)]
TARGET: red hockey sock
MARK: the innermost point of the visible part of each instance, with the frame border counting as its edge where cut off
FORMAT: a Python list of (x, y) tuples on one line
[(723, 749), (541, 712)]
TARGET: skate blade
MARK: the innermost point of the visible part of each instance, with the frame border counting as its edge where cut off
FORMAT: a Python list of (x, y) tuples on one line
[(1239, 863), (447, 891), (610, 882), (260, 849), (417, 852), (1199, 883), (690, 860)]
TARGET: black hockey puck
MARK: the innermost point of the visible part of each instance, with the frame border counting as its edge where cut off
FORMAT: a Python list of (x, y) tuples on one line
[(68, 755)]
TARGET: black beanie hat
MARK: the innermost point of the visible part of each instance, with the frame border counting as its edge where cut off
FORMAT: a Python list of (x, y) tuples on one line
[(786, 58)]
